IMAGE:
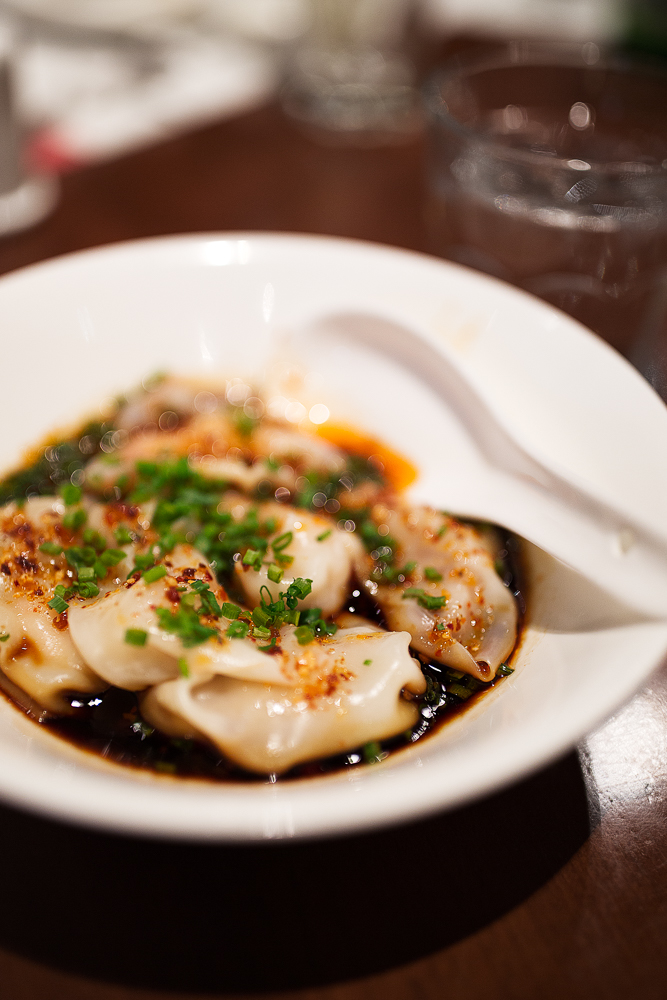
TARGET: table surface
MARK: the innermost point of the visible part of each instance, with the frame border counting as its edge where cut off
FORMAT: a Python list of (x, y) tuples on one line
[(553, 888)]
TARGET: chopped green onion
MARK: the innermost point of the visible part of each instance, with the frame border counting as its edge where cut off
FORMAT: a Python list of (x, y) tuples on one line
[(253, 557), (185, 624), (88, 589), (92, 537), (259, 632), (143, 560), (209, 604), (423, 599), (71, 494), (238, 630), (460, 691), (154, 573), (504, 670), (324, 535), (431, 573), (122, 535), (74, 519), (136, 636), (304, 634), (51, 548), (367, 663), (111, 557), (260, 616), (58, 604), (183, 668), (274, 573), (230, 610), (87, 573), (302, 587), (4, 637), (282, 541)]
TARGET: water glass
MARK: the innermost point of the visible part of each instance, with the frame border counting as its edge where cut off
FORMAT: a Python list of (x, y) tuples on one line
[(548, 168), (351, 77)]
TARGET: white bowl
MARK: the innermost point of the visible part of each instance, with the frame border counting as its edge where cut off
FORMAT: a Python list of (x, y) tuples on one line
[(84, 327)]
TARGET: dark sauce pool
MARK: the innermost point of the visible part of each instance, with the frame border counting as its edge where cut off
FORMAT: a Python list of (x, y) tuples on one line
[(110, 725)]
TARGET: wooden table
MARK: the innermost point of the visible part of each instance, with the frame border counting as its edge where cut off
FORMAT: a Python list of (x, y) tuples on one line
[(553, 888)]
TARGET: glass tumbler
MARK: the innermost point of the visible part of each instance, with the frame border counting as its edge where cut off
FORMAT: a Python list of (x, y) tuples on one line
[(351, 77), (548, 169)]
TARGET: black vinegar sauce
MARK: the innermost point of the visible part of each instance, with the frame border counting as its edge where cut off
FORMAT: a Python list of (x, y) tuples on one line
[(110, 724)]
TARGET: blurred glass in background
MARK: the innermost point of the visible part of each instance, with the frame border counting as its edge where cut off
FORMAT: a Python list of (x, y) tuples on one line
[(26, 196), (351, 76), (549, 170)]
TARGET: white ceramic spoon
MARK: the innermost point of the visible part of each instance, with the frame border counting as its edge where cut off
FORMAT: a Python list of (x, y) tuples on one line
[(516, 488)]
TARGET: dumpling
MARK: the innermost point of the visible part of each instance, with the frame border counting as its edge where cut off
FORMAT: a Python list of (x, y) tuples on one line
[(99, 630), (338, 694), (38, 655), (299, 449), (316, 550), (449, 596)]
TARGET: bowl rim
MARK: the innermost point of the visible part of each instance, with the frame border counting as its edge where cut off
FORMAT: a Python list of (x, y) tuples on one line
[(62, 800)]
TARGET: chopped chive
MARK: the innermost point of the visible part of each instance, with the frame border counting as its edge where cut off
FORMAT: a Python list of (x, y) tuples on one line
[(71, 494), (253, 557), (143, 560), (136, 636), (431, 573), (423, 599), (260, 617), (58, 604), (460, 691), (111, 557), (282, 541), (324, 535), (259, 632), (238, 630), (122, 535), (154, 573), (92, 537), (274, 573), (183, 668), (230, 610), (51, 548), (74, 519), (304, 634)]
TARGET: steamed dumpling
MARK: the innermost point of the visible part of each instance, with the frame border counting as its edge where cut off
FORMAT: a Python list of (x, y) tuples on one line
[(452, 565), (99, 630), (38, 656), (319, 552), (338, 693)]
